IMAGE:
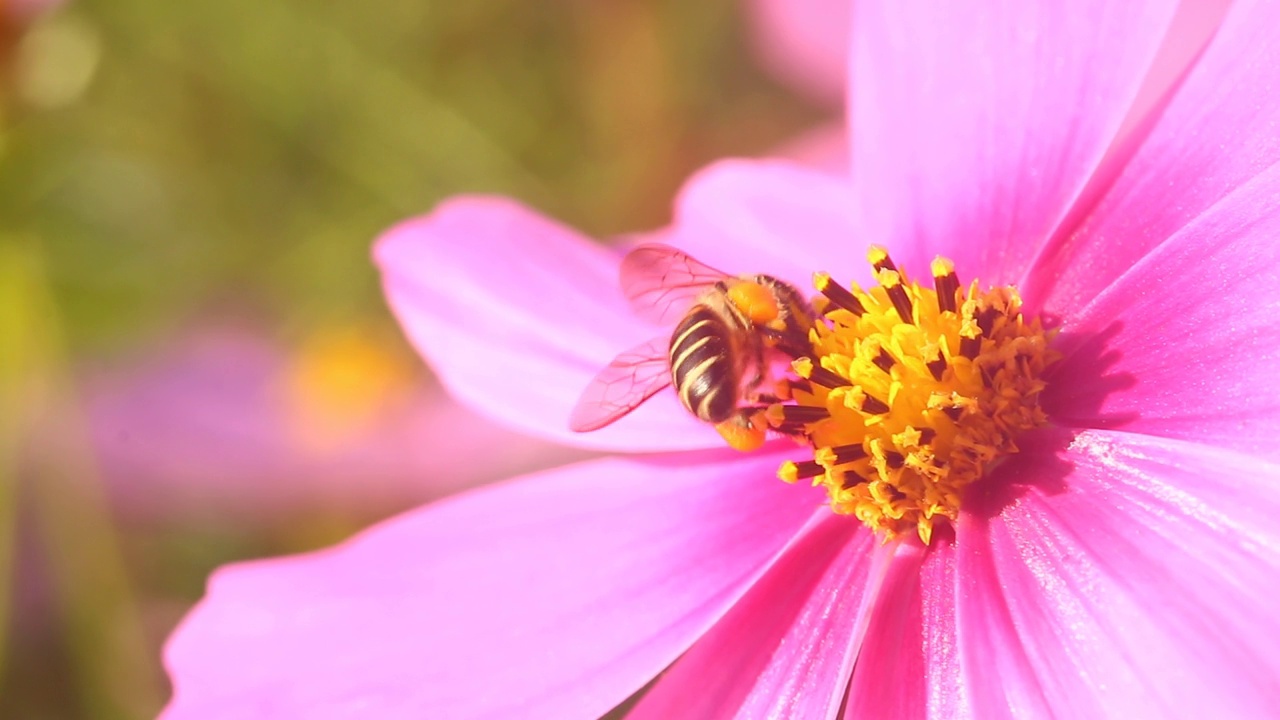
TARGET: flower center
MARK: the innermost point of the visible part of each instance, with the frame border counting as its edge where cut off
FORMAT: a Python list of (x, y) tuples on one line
[(912, 393)]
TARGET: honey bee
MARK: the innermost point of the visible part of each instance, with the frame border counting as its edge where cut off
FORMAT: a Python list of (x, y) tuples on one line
[(728, 331)]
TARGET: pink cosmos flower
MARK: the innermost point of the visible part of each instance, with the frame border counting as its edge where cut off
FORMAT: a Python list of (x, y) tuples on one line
[(1123, 564), (803, 43), (228, 425), (25, 10)]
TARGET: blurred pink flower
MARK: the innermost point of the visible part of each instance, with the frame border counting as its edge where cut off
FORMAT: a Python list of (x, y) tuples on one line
[(1124, 564), (804, 44), (26, 10), (227, 425)]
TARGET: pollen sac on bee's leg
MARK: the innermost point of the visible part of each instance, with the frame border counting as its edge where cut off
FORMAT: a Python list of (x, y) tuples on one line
[(745, 431), (756, 302)]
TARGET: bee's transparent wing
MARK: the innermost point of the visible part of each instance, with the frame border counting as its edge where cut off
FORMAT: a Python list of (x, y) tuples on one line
[(633, 377), (662, 283)]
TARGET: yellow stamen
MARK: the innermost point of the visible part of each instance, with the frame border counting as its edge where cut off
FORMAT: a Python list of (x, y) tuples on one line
[(911, 393)]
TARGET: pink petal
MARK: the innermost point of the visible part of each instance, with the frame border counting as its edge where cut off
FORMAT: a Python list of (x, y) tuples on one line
[(516, 314), (909, 666), (975, 128), (1195, 22), (1186, 342), (947, 694), (792, 639), (804, 43), (770, 216), (1216, 135), (889, 680), (554, 596), (1137, 580)]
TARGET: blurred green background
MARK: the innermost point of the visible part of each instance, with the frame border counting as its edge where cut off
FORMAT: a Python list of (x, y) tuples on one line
[(210, 163)]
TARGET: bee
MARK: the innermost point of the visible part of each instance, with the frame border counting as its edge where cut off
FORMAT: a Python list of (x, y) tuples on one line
[(728, 332)]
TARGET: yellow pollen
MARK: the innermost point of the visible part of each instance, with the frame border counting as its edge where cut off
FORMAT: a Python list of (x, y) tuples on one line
[(912, 393)]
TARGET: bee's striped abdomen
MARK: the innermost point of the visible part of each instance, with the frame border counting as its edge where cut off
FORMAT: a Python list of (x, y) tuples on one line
[(702, 365)]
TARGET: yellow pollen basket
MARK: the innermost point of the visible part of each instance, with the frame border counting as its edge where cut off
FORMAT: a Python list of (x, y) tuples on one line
[(756, 302), (912, 393), (745, 432)]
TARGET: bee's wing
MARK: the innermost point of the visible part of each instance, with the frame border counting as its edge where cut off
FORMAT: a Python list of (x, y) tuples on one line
[(662, 283), (632, 377)]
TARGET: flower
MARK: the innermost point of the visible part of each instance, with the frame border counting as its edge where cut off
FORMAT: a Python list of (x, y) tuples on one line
[(804, 44), (1124, 563), (229, 424), (24, 11)]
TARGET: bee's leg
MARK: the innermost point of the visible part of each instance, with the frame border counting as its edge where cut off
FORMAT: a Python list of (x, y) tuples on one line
[(745, 430), (763, 402), (786, 342), (759, 372)]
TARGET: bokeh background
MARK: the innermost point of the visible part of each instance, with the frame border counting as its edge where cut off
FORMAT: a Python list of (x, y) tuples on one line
[(196, 365)]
